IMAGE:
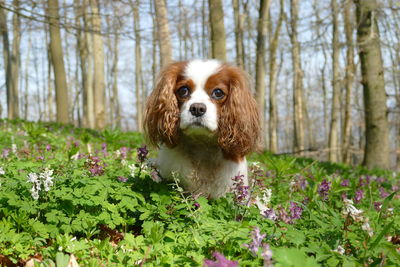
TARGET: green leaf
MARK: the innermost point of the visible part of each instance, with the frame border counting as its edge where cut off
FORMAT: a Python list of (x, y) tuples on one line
[(62, 259), (381, 234)]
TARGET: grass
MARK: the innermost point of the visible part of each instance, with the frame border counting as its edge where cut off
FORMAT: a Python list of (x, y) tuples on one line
[(70, 193)]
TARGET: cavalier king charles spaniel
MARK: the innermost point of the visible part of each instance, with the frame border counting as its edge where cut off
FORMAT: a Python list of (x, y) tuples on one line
[(202, 116)]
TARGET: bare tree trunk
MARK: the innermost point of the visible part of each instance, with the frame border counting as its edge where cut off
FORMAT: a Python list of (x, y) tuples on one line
[(15, 65), (238, 17), (6, 58), (49, 97), (368, 41), (154, 43), (26, 75), (204, 30), (138, 67), (260, 63), (163, 32), (99, 92), (58, 62), (349, 78), (334, 129), (218, 38), (297, 81), (273, 71)]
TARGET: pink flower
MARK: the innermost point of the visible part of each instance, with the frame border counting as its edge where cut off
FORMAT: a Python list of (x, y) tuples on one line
[(256, 242), (323, 189), (240, 190), (220, 261)]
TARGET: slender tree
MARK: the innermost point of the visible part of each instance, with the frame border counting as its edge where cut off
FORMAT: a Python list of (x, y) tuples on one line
[(349, 78), (163, 33), (260, 61), (6, 58), (273, 71), (58, 62), (83, 48), (369, 50), (218, 38), (99, 90), (138, 66), (239, 44), (334, 126), (13, 110), (297, 80)]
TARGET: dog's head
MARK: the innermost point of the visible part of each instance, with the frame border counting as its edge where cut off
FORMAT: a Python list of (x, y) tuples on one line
[(203, 96)]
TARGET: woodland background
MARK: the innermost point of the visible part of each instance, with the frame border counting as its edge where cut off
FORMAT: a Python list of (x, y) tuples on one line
[(325, 73)]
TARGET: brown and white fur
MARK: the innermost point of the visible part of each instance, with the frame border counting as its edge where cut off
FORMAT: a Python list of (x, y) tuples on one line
[(203, 117)]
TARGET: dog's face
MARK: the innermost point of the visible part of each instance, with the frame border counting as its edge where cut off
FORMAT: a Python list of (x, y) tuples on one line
[(203, 96)]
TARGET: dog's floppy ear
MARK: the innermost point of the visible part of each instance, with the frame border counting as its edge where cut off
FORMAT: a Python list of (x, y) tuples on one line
[(162, 111), (239, 122)]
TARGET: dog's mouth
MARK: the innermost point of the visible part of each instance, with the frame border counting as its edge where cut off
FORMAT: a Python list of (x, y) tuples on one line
[(197, 128)]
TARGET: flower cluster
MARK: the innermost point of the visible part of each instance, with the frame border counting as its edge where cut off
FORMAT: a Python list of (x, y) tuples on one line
[(323, 189), (220, 261), (299, 183), (357, 216), (142, 153), (5, 153), (40, 181), (255, 245), (95, 165), (263, 202), (240, 190), (2, 172), (295, 211)]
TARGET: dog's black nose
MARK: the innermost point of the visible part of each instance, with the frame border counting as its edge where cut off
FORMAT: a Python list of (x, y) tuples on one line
[(198, 109)]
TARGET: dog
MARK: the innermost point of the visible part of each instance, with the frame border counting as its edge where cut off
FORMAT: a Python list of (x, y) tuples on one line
[(203, 117)]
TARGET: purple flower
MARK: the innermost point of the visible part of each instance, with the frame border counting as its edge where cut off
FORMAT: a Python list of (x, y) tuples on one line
[(363, 181), (122, 179), (383, 192), (395, 187), (95, 166), (283, 216), (41, 158), (196, 205), (155, 176), (323, 189), (220, 261), (6, 152), (240, 190), (345, 183), (359, 196), (142, 153), (124, 152), (256, 241), (48, 147), (380, 180), (267, 255), (270, 214), (295, 211), (378, 205)]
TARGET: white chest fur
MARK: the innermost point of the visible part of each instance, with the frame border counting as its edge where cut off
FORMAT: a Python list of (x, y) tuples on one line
[(200, 168)]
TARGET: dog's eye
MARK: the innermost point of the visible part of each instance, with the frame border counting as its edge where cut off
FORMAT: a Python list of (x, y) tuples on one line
[(183, 91), (217, 94)]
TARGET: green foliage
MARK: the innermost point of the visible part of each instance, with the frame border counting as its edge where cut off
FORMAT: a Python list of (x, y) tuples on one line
[(105, 208)]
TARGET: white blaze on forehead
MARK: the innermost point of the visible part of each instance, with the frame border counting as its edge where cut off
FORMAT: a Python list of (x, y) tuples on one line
[(200, 70)]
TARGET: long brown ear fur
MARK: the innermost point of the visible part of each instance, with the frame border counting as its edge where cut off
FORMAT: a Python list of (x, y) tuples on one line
[(239, 120), (162, 112)]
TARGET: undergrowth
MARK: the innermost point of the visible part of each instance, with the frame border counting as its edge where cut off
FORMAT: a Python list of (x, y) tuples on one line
[(67, 191)]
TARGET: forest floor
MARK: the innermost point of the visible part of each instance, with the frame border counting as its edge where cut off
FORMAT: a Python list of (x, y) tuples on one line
[(76, 196)]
